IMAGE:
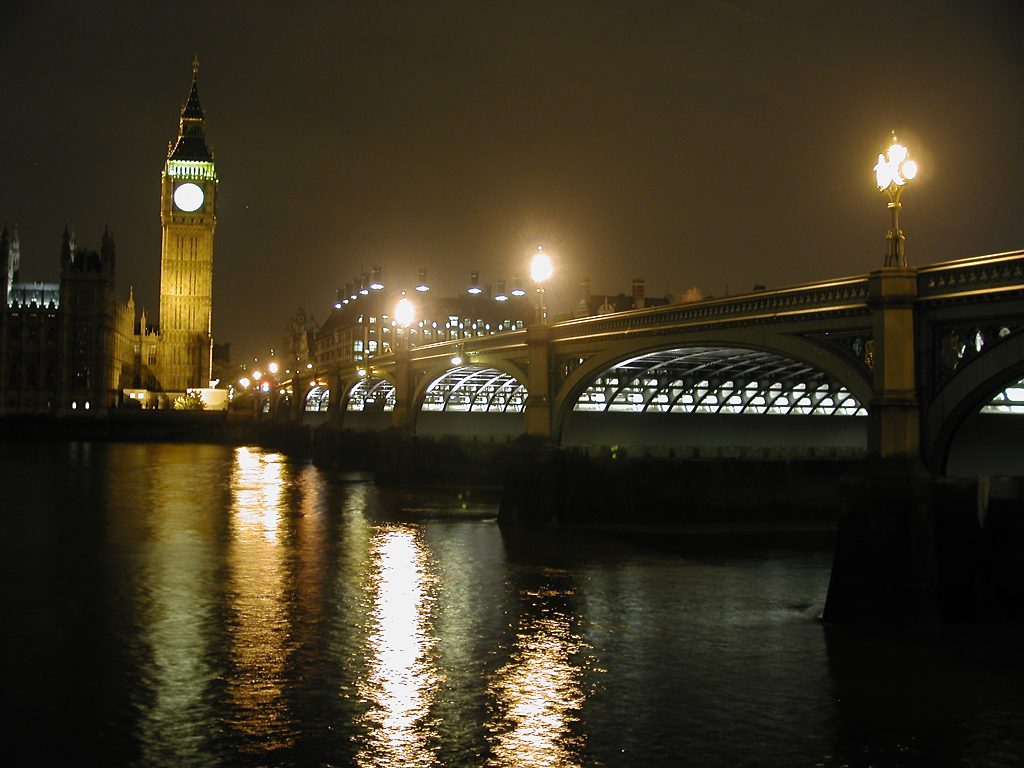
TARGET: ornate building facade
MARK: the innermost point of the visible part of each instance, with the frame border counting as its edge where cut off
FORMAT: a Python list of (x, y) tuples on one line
[(73, 346)]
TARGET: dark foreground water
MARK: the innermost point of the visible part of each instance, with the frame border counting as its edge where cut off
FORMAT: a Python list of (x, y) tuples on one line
[(187, 605)]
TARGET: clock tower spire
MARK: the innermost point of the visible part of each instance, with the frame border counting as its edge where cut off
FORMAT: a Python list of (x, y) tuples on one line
[(188, 218)]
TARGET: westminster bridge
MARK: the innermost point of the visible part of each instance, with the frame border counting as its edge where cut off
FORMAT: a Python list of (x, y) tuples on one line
[(890, 363), (839, 400)]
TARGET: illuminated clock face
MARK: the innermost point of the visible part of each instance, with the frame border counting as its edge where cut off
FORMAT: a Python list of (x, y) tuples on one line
[(188, 197)]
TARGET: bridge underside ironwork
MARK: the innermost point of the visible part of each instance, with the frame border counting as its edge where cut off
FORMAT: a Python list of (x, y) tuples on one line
[(736, 395), (718, 381), (372, 394), (697, 380), (475, 389), (1010, 400)]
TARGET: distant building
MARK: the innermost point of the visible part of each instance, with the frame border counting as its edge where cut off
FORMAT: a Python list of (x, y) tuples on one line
[(591, 304), (65, 346), (362, 324)]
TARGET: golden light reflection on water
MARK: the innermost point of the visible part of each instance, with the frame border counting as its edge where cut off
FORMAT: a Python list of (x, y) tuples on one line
[(258, 487), (402, 679), (177, 561), (539, 691), (258, 627)]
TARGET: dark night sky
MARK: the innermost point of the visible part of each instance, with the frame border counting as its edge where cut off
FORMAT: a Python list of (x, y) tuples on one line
[(691, 142)]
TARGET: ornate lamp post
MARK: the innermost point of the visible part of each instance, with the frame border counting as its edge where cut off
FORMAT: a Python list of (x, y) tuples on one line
[(541, 269), (402, 417), (892, 172)]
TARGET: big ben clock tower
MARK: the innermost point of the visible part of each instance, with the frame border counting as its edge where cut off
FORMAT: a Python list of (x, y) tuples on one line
[(188, 216)]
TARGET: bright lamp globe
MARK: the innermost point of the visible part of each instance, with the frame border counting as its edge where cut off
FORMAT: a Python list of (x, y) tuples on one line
[(541, 267), (405, 312)]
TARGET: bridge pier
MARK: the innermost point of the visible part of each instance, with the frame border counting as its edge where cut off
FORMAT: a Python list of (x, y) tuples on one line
[(537, 410), (893, 414), (531, 492), (402, 417), (904, 535), (884, 569), (335, 389), (297, 407), (396, 464)]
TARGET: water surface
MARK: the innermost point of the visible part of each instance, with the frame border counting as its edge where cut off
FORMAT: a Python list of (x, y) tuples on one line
[(190, 605)]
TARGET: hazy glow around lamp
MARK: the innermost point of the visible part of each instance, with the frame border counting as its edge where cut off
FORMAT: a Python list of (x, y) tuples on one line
[(405, 313)]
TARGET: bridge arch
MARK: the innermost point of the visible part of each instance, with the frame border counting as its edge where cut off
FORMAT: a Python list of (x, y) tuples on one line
[(367, 403), (792, 375), (371, 393), (317, 398), (492, 391), (968, 391)]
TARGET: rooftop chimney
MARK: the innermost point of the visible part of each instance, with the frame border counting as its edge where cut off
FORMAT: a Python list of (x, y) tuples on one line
[(638, 293)]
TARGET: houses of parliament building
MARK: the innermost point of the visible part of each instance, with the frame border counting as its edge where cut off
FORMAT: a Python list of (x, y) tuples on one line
[(74, 346)]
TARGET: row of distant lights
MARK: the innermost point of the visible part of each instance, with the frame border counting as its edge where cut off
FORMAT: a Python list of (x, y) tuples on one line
[(263, 384), (422, 287)]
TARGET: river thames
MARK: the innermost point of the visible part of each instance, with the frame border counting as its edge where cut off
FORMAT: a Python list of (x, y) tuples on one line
[(199, 605)]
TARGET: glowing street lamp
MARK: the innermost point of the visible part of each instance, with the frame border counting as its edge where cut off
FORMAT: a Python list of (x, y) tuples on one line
[(541, 270), (460, 355), (375, 283), (892, 172), (405, 313)]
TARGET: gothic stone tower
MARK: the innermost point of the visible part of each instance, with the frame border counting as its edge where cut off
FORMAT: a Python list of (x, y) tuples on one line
[(188, 216)]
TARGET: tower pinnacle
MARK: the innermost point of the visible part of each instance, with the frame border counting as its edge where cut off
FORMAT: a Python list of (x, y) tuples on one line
[(191, 142)]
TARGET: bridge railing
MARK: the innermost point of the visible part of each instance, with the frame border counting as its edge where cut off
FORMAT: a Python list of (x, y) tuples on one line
[(984, 275), (495, 344), (832, 296)]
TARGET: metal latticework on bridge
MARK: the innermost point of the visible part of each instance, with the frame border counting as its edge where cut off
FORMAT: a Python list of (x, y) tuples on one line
[(1010, 400), (372, 395), (717, 380), (475, 389)]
